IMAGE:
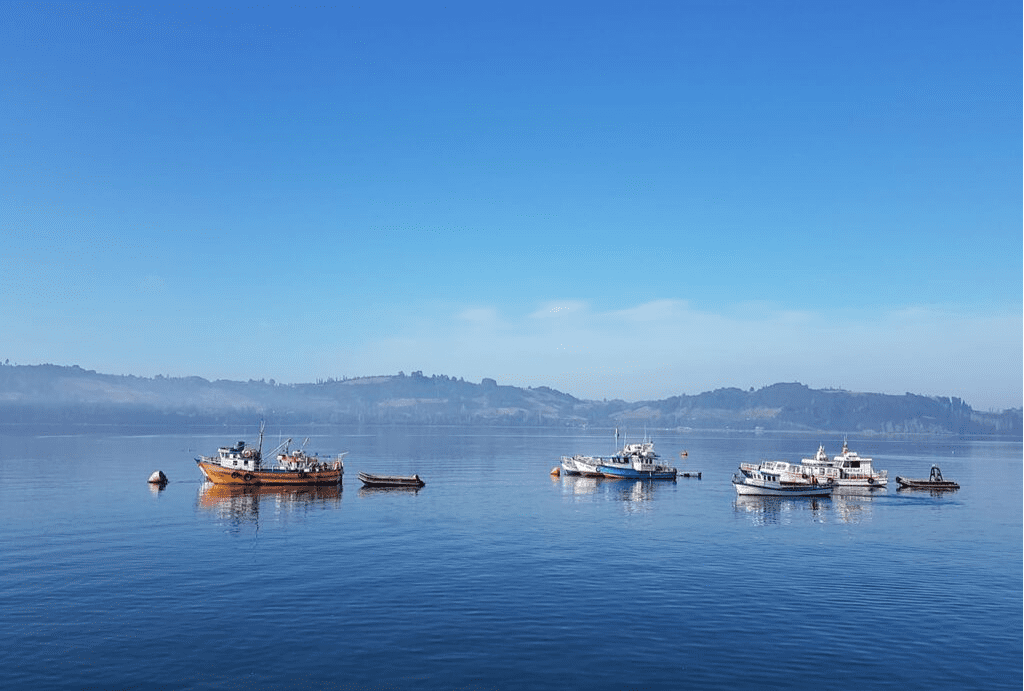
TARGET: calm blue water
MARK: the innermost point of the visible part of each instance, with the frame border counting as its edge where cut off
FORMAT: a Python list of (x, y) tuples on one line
[(498, 576)]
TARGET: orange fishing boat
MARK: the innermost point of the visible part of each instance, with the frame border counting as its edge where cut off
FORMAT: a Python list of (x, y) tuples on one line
[(244, 465)]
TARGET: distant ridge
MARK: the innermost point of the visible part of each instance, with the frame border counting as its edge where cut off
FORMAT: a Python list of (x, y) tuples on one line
[(62, 394)]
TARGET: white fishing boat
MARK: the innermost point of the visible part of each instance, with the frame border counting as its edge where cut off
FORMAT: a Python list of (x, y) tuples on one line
[(779, 479), (580, 465), (847, 469)]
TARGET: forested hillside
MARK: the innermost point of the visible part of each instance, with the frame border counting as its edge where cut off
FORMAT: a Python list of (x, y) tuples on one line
[(57, 394)]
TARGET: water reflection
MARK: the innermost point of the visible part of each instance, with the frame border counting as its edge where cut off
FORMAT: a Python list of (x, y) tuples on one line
[(774, 510), (847, 505), (579, 485), (634, 494), (245, 504), (854, 504), (945, 492), (397, 489)]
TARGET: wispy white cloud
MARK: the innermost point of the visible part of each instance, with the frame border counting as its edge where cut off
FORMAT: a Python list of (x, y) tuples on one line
[(560, 309)]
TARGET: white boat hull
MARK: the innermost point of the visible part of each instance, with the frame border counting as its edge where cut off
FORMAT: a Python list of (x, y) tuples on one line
[(776, 490), (861, 481), (587, 466)]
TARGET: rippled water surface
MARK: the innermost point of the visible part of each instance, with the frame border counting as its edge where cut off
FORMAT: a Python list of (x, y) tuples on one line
[(497, 575)]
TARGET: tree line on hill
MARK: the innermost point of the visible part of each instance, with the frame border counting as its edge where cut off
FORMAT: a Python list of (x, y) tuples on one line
[(53, 394)]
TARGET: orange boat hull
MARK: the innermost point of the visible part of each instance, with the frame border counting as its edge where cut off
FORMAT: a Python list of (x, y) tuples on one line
[(226, 476)]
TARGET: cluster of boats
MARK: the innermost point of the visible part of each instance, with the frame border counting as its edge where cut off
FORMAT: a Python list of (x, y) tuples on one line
[(812, 477), (246, 465), (818, 476), (633, 461)]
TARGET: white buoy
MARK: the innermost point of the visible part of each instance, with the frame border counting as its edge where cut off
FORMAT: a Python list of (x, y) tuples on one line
[(158, 478)]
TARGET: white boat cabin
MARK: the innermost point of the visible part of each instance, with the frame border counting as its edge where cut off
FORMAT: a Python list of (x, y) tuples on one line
[(847, 468), (776, 471), (238, 456)]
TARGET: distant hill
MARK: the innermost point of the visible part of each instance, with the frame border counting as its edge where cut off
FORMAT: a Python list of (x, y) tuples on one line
[(58, 394)]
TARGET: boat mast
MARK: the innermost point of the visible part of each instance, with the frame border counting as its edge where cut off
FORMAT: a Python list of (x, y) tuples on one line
[(259, 449)]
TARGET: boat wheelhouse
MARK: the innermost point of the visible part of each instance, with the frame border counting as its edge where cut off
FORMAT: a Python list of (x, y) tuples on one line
[(847, 469)]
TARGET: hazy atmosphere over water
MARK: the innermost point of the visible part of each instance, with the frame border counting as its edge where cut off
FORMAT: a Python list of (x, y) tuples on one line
[(611, 199)]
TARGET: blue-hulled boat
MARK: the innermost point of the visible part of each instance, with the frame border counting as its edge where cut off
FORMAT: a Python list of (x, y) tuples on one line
[(633, 461), (636, 462)]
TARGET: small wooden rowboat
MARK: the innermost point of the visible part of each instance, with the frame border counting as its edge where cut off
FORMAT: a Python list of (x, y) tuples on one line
[(391, 480), (934, 481)]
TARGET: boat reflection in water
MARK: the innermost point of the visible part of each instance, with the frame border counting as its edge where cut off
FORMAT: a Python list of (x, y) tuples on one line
[(855, 504), (245, 503), (634, 494), (763, 510), (579, 485), (370, 490), (846, 505)]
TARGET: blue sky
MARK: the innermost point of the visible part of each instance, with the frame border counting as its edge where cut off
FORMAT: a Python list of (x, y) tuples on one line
[(618, 200)]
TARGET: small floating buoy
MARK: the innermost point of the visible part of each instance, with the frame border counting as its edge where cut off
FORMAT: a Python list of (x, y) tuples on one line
[(158, 478), (556, 471), (683, 454)]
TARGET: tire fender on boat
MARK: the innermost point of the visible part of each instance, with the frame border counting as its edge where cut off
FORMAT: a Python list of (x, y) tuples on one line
[(247, 477), (234, 474)]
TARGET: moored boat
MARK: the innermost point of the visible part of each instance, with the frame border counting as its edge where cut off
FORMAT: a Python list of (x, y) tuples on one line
[(633, 461), (934, 481), (580, 465), (779, 479), (370, 480), (244, 465), (637, 466), (846, 469)]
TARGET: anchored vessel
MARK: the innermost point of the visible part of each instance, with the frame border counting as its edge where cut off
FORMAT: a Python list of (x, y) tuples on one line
[(370, 480), (848, 469), (934, 481), (634, 461), (244, 465), (779, 479)]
